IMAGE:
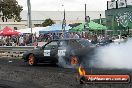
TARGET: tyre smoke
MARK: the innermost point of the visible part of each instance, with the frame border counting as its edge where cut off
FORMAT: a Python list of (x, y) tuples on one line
[(62, 63), (114, 56)]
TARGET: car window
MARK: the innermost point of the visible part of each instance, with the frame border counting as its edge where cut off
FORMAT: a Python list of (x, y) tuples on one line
[(73, 44), (63, 43), (51, 45)]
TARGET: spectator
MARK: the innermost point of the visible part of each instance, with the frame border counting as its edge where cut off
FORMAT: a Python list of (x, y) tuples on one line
[(21, 40), (75, 35)]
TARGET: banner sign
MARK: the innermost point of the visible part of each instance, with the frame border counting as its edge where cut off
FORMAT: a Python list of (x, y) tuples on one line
[(105, 79), (121, 3), (111, 4), (129, 2)]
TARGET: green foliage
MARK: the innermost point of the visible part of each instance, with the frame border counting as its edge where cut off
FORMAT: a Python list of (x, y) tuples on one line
[(11, 10), (48, 22)]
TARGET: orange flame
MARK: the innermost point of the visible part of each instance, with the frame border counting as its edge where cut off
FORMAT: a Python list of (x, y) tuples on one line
[(81, 71)]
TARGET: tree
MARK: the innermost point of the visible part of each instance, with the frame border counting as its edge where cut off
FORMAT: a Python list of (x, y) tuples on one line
[(48, 22), (10, 9)]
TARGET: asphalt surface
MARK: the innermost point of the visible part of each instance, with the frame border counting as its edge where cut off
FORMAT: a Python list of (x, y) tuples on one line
[(14, 73)]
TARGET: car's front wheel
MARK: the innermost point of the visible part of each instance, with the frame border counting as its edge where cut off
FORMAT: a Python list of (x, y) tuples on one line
[(32, 60)]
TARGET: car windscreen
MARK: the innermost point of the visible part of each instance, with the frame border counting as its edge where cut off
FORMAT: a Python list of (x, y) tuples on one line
[(84, 42)]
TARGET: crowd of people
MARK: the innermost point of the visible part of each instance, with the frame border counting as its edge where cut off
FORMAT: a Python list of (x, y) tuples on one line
[(20, 40), (29, 39)]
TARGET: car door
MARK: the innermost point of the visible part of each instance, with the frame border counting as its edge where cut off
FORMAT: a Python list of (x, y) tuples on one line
[(74, 46), (62, 48), (50, 50)]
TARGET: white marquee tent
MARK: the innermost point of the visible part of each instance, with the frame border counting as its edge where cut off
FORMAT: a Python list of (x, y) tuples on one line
[(37, 30), (34, 30)]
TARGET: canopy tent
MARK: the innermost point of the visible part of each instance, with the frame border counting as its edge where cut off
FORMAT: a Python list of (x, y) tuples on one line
[(96, 26), (56, 28), (34, 30), (8, 32), (78, 28), (38, 30), (91, 26)]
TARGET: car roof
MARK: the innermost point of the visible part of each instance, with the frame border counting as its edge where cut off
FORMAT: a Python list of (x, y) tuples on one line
[(66, 39)]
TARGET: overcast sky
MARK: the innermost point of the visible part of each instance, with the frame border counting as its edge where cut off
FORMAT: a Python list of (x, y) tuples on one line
[(69, 5)]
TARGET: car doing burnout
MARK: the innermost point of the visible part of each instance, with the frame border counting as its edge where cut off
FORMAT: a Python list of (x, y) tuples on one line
[(72, 51)]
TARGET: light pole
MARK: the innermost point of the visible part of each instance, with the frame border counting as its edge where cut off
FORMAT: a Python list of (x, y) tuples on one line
[(29, 15), (100, 21), (29, 19), (1, 13), (64, 23), (87, 20)]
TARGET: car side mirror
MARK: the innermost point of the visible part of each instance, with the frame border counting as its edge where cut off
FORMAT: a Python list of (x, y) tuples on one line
[(43, 47)]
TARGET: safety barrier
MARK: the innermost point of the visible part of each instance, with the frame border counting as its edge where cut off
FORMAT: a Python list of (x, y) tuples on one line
[(14, 51)]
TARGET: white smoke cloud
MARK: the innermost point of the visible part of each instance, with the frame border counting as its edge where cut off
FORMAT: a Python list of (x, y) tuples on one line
[(114, 56), (62, 62), (65, 64)]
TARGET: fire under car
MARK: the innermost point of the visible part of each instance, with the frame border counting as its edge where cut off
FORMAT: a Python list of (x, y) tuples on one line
[(72, 50)]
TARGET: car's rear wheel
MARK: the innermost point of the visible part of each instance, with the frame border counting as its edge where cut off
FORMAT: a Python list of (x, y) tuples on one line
[(74, 60), (32, 60)]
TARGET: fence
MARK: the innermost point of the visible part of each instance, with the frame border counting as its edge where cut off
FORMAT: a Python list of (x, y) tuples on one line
[(14, 51)]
